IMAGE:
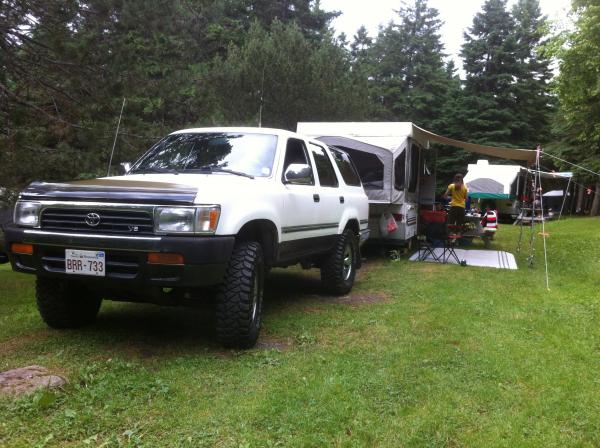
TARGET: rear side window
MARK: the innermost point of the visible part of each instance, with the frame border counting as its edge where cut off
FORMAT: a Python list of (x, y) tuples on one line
[(327, 177), (370, 168), (349, 174)]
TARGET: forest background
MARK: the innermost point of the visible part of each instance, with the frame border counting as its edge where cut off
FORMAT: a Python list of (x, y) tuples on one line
[(65, 67)]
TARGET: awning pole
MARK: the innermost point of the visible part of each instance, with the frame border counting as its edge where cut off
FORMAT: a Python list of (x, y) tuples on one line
[(564, 198), (537, 159)]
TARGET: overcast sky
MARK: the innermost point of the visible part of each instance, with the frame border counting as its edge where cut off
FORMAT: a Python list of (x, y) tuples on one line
[(457, 16)]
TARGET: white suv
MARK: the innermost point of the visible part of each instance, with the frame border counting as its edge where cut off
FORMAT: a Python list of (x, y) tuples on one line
[(203, 209)]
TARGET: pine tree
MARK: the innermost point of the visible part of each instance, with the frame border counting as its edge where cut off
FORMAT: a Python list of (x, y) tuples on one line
[(535, 104), (360, 48), (315, 84), (408, 72), (489, 107)]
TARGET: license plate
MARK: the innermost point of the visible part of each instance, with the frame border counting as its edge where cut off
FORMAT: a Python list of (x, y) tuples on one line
[(85, 262)]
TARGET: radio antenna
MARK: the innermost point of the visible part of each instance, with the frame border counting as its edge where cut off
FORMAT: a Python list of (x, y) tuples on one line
[(262, 89), (115, 141)]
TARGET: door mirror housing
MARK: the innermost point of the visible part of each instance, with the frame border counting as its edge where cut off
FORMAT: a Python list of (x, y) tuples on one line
[(298, 174), (125, 167)]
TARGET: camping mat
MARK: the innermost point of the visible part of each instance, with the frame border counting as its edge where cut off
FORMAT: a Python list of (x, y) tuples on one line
[(483, 258)]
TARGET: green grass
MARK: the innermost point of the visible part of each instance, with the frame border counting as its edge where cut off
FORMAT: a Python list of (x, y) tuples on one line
[(450, 356)]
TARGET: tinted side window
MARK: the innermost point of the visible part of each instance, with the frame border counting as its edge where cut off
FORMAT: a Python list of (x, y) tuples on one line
[(400, 171), (327, 176), (370, 168), (349, 174), (295, 152)]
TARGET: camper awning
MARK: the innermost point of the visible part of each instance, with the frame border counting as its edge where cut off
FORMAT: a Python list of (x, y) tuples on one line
[(526, 155)]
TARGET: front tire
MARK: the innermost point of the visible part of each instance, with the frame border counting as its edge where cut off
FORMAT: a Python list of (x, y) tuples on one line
[(240, 297), (339, 269), (66, 304)]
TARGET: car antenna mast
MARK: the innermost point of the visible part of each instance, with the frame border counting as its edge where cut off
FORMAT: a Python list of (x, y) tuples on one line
[(115, 141), (262, 89)]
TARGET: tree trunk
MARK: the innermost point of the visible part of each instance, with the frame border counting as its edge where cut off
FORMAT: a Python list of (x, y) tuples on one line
[(596, 201), (580, 197)]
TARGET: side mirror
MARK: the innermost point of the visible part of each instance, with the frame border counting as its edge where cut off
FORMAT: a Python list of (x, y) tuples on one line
[(298, 174), (125, 167)]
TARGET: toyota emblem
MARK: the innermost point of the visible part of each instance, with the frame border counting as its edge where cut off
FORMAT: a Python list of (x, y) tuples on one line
[(92, 219)]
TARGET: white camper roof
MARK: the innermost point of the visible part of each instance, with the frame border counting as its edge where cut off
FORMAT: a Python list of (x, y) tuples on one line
[(386, 135)]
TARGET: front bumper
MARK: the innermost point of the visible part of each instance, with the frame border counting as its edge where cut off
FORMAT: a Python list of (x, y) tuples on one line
[(205, 258)]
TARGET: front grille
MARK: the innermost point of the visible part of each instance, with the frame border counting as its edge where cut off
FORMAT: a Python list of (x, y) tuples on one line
[(131, 222)]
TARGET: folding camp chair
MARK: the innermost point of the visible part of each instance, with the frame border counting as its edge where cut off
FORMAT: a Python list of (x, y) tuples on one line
[(428, 238), (425, 249), (452, 238)]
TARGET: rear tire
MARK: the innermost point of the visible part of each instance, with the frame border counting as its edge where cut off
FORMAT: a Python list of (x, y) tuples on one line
[(66, 304), (240, 297), (339, 269)]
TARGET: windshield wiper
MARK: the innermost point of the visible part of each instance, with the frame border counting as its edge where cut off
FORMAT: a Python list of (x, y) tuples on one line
[(155, 169), (218, 169)]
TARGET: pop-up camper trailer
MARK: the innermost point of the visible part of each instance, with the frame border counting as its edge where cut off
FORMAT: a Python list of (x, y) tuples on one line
[(505, 184), (499, 183), (397, 168)]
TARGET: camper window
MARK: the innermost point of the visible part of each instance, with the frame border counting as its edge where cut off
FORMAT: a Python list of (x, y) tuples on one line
[(345, 166), (327, 176), (400, 171)]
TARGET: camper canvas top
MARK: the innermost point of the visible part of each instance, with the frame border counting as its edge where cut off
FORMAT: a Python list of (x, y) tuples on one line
[(381, 152)]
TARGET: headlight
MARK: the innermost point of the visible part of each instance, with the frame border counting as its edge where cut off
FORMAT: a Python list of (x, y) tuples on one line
[(187, 219), (27, 213)]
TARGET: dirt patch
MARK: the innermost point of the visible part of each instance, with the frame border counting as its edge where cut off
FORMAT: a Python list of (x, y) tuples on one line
[(362, 299), (273, 344), (369, 265), (17, 343), (28, 379)]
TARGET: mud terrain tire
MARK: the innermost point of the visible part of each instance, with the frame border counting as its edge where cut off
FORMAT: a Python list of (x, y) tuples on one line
[(339, 268), (240, 297)]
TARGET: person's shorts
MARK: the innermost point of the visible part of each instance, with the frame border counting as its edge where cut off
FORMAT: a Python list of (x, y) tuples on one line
[(456, 216)]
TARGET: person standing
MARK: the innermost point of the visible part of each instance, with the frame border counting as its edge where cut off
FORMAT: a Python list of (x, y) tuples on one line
[(458, 192)]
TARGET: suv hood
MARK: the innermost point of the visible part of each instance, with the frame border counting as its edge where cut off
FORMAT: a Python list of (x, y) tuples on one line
[(138, 188)]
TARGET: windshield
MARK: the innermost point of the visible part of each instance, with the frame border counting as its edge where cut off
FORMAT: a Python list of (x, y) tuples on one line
[(251, 154)]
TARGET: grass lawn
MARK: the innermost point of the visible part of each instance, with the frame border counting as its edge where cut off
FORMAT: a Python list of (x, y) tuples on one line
[(419, 355)]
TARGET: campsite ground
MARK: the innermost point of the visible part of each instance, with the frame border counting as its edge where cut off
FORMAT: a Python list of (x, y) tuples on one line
[(418, 355)]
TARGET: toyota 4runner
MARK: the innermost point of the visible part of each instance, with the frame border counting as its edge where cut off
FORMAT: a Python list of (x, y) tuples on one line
[(203, 211)]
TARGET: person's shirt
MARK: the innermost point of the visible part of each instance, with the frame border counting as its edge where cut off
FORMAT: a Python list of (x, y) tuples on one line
[(459, 195)]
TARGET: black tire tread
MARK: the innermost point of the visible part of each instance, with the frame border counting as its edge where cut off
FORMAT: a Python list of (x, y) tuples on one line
[(234, 325), (331, 268), (61, 305)]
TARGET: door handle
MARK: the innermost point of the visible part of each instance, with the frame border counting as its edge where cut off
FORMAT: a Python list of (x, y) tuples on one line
[(342, 199), (316, 197)]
